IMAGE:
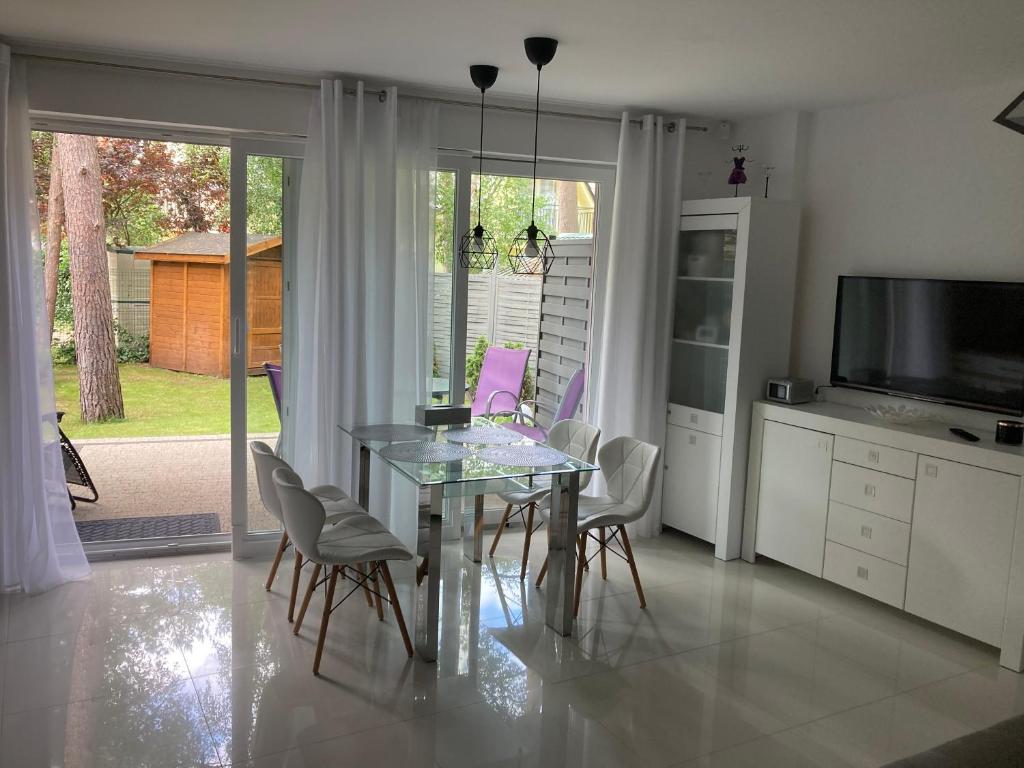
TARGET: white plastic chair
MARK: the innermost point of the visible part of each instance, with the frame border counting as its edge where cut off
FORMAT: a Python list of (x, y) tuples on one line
[(346, 544), (338, 505), (575, 438), (629, 467)]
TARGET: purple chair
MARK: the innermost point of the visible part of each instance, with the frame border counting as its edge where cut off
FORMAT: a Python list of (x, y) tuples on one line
[(501, 381), (274, 379), (572, 396)]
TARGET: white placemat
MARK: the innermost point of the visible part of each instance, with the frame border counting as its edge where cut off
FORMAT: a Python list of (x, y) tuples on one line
[(424, 452), (392, 432), (483, 435), (523, 455)]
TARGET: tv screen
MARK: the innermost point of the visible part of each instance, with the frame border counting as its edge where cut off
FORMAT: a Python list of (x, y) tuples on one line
[(950, 341)]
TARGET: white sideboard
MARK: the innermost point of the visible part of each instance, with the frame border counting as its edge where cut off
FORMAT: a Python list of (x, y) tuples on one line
[(907, 514)]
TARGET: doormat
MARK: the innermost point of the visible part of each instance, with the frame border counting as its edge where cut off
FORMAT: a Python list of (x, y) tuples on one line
[(148, 527)]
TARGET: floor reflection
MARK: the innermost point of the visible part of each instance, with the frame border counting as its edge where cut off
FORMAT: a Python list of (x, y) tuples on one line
[(189, 662)]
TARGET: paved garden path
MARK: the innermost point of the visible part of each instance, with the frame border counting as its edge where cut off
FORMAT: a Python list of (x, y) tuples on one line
[(156, 476)]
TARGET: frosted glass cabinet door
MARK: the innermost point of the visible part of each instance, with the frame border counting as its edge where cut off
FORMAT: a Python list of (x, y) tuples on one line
[(792, 508), (960, 546)]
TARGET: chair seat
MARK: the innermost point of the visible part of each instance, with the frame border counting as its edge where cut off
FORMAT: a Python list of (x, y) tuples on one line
[(534, 433), (347, 544), (596, 512), (525, 496)]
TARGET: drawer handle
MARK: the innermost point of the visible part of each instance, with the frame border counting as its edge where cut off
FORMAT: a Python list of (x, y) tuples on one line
[(931, 470), (869, 490), (873, 457), (693, 439), (693, 418), (862, 572), (865, 531)]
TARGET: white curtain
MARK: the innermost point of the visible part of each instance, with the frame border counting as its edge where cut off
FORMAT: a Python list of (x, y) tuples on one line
[(39, 545), (364, 258), (635, 340)]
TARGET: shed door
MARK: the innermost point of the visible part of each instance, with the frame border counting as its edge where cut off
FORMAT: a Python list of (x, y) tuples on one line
[(167, 316), (206, 332)]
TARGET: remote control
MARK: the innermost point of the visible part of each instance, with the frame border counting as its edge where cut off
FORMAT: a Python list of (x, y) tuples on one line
[(964, 434)]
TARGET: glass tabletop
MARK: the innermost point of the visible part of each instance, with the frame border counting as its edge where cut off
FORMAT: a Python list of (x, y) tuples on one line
[(483, 457)]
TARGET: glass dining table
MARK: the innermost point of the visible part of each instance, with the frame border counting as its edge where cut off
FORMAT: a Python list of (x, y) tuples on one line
[(472, 461)]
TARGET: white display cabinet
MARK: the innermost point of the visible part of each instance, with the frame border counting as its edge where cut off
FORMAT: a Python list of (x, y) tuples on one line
[(732, 319)]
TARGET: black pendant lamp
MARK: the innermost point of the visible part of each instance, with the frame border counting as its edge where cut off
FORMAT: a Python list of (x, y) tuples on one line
[(531, 252), (477, 249)]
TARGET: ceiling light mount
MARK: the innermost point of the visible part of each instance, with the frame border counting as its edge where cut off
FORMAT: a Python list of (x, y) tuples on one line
[(540, 50)]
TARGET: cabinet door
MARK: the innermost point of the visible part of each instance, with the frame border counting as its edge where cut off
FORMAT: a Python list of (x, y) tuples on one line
[(792, 507), (960, 544), (690, 496)]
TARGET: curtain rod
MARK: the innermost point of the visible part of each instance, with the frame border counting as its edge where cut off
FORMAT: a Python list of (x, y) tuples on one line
[(382, 95)]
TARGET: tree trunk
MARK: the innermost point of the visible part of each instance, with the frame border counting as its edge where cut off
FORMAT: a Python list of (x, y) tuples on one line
[(54, 234), (99, 383), (568, 209)]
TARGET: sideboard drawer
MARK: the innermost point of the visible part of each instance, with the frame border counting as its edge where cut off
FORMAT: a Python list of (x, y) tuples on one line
[(867, 574), (868, 532), (694, 418), (874, 491), (873, 456)]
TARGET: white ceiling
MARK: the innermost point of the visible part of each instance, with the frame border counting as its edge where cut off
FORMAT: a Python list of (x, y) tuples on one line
[(715, 57)]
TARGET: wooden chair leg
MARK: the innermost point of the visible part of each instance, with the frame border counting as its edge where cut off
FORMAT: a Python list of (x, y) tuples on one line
[(277, 559), (374, 569), (526, 541), (328, 604), (305, 600), (366, 589), (632, 566), (421, 570), (581, 563), (295, 586), (543, 570), (604, 562), (501, 529), (386, 572)]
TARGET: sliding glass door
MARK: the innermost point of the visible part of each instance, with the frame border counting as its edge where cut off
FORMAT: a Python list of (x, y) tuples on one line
[(264, 206)]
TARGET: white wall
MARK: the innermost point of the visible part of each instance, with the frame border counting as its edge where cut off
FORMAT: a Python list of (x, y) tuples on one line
[(921, 187), (778, 140)]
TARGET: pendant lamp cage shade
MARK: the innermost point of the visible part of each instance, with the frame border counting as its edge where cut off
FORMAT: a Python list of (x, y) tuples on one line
[(531, 252), (477, 248)]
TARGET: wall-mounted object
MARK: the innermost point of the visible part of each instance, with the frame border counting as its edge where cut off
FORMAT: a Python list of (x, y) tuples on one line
[(477, 249), (1013, 116), (531, 252)]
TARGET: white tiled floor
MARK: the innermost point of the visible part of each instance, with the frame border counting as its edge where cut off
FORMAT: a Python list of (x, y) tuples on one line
[(189, 662)]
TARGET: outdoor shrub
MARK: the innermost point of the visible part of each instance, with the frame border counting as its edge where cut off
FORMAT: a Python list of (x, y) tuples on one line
[(476, 360), (473, 364), (63, 351), (131, 347)]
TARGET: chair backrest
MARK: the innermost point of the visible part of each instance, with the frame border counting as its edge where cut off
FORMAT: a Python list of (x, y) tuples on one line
[(579, 440), (274, 378), (629, 467), (571, 397), (266, 462), (304, 515), (502, 369)]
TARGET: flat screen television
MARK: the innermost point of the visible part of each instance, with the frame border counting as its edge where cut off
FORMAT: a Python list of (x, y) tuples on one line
[(949, 341)]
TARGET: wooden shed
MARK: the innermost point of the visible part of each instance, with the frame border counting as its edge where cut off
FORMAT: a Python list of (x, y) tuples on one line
[(190, 302)]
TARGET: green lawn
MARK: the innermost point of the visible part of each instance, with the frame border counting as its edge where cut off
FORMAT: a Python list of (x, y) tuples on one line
[(160, 403)]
